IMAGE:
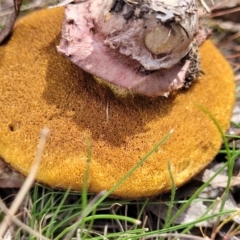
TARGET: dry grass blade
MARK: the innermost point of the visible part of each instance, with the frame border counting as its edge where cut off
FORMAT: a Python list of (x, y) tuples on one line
[(27, 184), (76, 226), (175, 235), (20, 223)]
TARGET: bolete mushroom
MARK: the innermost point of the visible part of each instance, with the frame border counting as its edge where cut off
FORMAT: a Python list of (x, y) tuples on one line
[(40, 87)]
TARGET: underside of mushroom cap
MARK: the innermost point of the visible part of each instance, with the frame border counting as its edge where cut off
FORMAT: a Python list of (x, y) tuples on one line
[(101, 38), (39, 87)]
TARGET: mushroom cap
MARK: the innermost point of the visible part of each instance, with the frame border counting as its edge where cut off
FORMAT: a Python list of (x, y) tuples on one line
[(39, 87)]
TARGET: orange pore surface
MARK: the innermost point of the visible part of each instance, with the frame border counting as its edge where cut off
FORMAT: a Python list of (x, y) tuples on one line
[(39, 87)]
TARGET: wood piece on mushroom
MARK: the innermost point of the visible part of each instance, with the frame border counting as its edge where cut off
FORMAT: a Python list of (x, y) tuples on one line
[(136, 45), (44, 88)]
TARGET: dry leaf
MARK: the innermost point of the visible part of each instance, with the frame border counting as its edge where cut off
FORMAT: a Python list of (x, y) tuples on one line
[(198, 209), (8, 177), (236, 112), (219, 181), (8, 18)]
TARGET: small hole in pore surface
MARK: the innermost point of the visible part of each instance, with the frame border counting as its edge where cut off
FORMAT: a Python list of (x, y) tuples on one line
[(13, 127)]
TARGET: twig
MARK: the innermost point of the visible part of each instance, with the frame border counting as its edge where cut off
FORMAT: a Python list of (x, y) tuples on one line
[(224, 12), (232, 56), (205, 6)]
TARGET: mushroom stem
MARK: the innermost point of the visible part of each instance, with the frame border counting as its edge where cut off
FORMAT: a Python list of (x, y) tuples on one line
[(137, 45), (158, 34)]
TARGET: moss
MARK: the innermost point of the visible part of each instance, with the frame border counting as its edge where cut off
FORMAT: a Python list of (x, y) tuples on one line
[(41, 88)]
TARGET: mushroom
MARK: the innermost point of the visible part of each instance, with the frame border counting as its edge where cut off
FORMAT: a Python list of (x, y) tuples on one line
[(40, 87), (147, 39)]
